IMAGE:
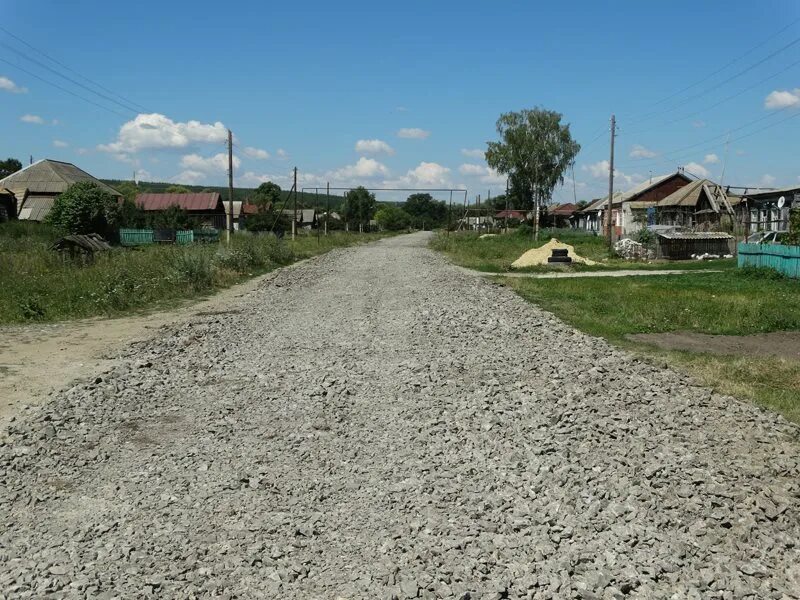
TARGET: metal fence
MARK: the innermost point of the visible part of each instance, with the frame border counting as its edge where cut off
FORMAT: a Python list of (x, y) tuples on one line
[(785, 259)]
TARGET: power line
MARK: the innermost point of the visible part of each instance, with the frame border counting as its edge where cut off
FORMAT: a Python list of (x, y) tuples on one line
[(63, 66), (719, 84), (63, 89), (726, 65)]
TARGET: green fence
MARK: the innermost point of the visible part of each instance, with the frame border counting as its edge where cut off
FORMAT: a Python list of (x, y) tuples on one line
[(785, 259), (143, 237)]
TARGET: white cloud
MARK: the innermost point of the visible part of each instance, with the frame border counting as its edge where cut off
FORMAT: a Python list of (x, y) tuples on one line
[(82, 151), (282, 154), (373, 147), (143, 175), (473, 152), (60, 144), (212, 164), (767, 180), (7, 85), (364, 168), (697, 169), (698, 124), (256, 153), (782, 99), (35, 119), (599, 170), (641, 152), (189, 177), (425, 174), (483, 173), (155, 131), (413, 133), (711, 159)]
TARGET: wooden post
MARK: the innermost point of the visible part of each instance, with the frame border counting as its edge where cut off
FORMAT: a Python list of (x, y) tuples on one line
[(611, 184), (294, 219), (230, 185)]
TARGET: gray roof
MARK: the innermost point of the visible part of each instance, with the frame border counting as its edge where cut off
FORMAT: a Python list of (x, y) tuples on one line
[(620, 197), (699, 235), (304, 215), (36, 208), (49, 177)]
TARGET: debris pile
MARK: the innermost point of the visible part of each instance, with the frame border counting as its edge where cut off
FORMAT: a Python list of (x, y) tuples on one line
[(538, 256), (632, 250)]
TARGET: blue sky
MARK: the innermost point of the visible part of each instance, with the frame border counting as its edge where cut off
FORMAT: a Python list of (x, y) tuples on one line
[(405, 94)]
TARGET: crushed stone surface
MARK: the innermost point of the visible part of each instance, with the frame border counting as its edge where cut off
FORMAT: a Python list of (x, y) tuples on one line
[(538, 256), (376, 424)]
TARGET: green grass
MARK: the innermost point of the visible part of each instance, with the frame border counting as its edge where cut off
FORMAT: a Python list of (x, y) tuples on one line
[(37, 285), (495, 254), (738, 302)]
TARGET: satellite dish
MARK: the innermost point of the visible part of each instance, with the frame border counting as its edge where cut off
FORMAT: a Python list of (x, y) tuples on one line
[(781, 201)]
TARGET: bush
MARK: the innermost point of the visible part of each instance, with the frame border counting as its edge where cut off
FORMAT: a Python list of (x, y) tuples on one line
[(85, 207), (392, 218), (524, 229), (765, 273), (194, 268), (793, 238)]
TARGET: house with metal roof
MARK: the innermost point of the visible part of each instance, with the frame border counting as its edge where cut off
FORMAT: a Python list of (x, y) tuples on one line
[(38, 185), (562, 215), (768, 210), (701, 205), (629, 208), (205, 208)]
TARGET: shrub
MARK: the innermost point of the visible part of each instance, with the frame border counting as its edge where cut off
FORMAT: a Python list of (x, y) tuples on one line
[(194, 268), (524, 229), (793, 238), (84, 207), (765, 273), (393, 218)]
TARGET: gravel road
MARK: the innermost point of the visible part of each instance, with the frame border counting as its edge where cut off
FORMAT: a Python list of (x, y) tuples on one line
[(376, 424)]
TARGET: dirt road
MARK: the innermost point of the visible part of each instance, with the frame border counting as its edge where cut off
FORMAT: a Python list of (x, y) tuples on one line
[(376, 424)]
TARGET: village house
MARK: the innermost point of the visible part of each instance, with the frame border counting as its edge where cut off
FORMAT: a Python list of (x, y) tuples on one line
[(205, 208), (37, 186), (520, 215), (768, 210), (629, 208), (562, 215), (702, 205)]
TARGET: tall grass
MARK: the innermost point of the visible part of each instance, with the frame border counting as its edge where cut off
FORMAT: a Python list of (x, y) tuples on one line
[(37, 285)]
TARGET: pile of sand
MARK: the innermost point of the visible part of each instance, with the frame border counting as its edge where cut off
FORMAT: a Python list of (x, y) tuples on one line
[(539, 256)]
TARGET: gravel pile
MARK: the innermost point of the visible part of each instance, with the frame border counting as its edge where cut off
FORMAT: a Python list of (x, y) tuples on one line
[(374, 424)]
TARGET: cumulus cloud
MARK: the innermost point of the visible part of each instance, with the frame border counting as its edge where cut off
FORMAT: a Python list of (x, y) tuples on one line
[(256, 153), (473, 152), (282, 154), (34, 119), (483, 173), (211, 164), (782, 99), (60, 144), (711, 159), (599, 170), (697, 169), (190, 177), (414, 133), (425, 174), (767, 180), (6, 85), (364, 168), (155, 131), (373, 147), (641, 152)]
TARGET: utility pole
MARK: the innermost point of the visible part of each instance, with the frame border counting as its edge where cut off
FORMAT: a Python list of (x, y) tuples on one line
[(327, 206), (506, 204), (230, 185), (294, 219), (449, 213), (611, 182), (478, 221)]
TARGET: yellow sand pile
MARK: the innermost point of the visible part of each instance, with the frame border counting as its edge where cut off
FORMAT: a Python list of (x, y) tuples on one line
[(539, 256)]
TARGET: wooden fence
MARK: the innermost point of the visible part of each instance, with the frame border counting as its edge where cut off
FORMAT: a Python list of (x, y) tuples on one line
[(143, 237), (785, 259)]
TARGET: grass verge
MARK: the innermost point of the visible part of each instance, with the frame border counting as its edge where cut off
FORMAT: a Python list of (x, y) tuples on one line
[(495, 254), (37, 285), (739, 302)]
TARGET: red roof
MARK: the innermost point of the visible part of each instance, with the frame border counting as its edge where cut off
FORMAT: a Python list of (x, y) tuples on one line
[(563, 209), (249, 209), (203, 201), (510, 214)]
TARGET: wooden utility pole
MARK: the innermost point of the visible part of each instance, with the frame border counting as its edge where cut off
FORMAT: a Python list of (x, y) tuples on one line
[(449, 213), (230, 185), (294, 219), (506, 204), (611, 183)]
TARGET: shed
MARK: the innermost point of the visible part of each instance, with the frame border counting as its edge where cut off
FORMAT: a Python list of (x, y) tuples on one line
[(683, 245), (8, 205), (83, 246), (38, 185), (206, 208)]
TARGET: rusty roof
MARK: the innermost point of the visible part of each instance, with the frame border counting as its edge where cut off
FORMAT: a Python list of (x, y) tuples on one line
[(562, 209), (200, 201)]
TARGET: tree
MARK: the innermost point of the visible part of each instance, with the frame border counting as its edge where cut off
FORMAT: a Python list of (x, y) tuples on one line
[(424, 209), (9, 166), (128, 189), (85, 207), (392, 218), (358, 206), (174, 217), (177, 189), (535, 151), (267, 196), (131, 215)]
